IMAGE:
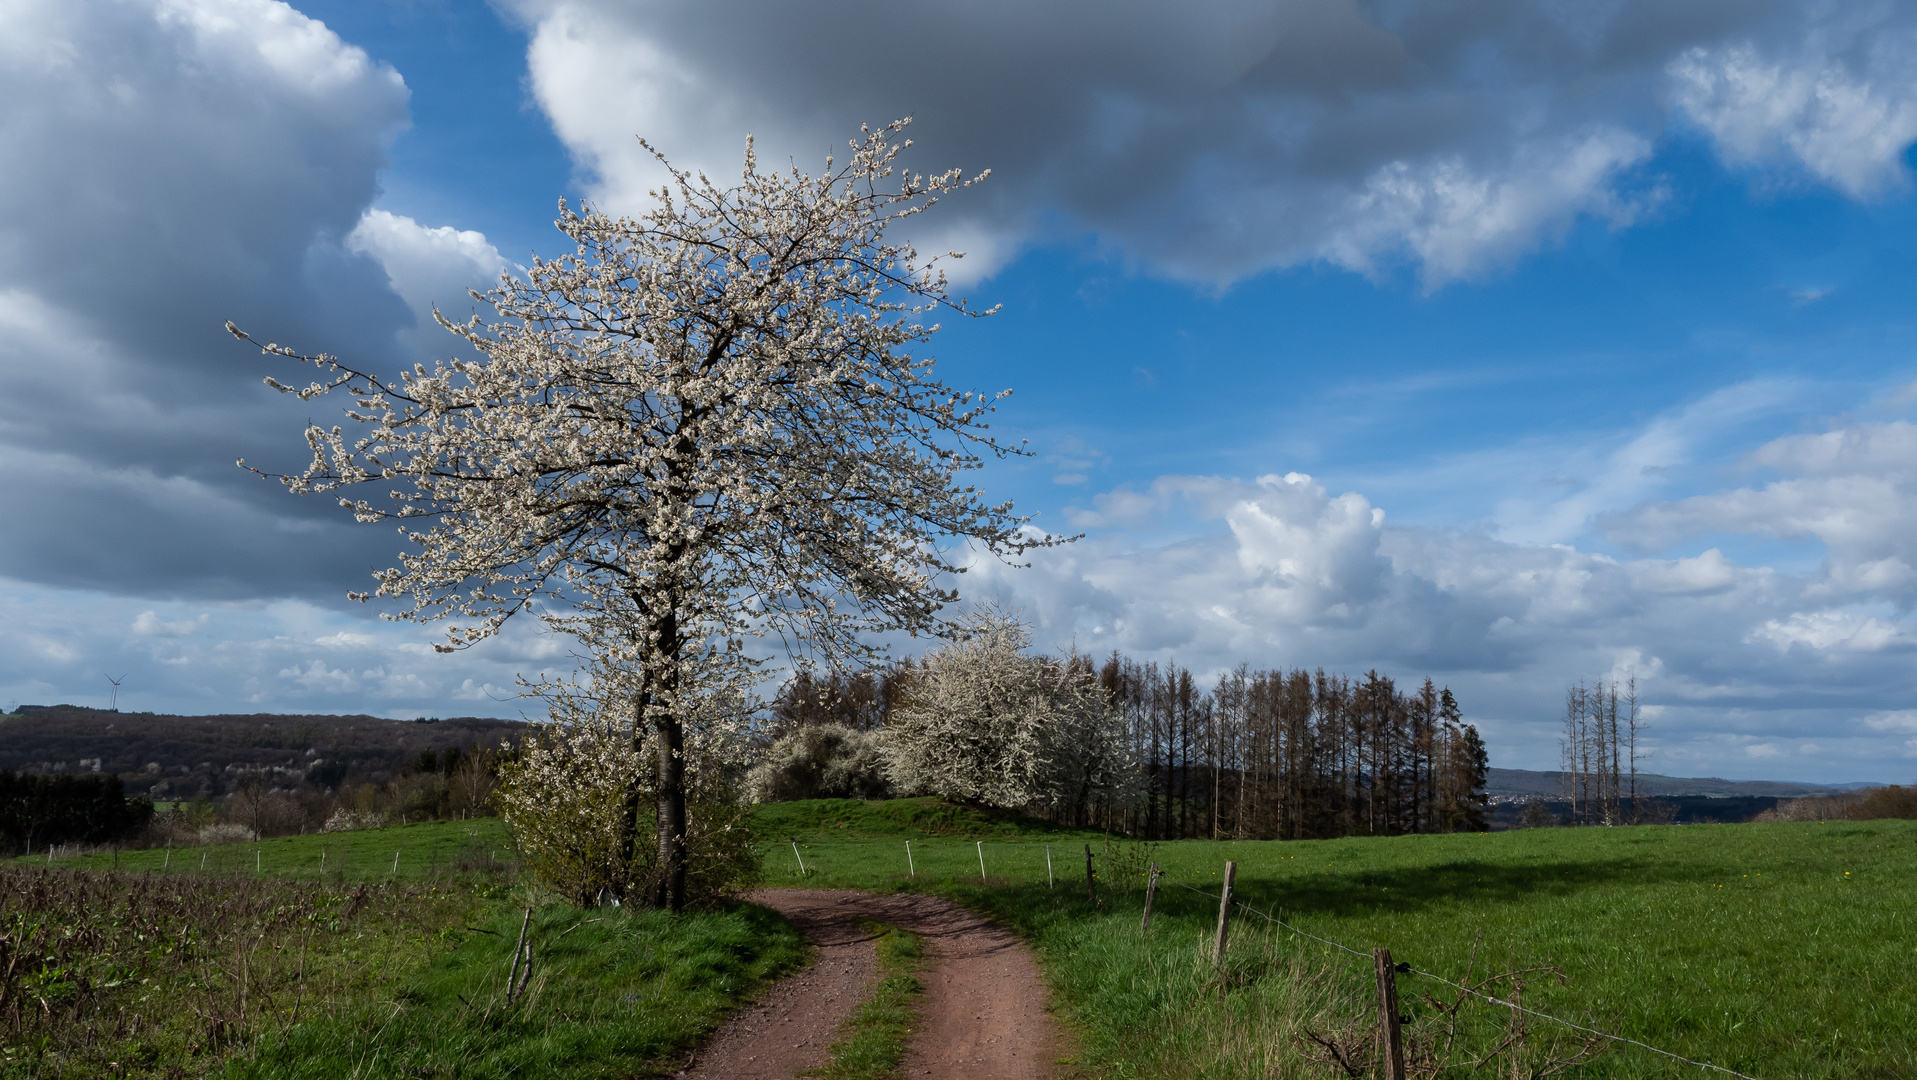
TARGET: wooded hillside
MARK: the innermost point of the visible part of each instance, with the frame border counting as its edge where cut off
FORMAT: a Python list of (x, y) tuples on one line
[(169, 758)]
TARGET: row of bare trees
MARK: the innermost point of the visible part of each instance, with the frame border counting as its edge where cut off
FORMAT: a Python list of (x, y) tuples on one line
[(1599, 753), (1290, 755)]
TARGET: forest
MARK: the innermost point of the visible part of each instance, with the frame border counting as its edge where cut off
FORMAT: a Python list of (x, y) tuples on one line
[(1260, 754)]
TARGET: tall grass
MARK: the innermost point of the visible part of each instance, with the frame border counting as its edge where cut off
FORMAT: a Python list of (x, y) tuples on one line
[(119, 974), (327, 956)]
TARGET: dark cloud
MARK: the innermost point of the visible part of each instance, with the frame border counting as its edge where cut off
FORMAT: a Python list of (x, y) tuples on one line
[(165, 167), (1215, 139)]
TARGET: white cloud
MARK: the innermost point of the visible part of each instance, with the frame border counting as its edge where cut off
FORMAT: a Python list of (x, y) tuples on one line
[(1899, 721), (1854, 489), (166, 165), (1458, 221), (430, 268), (1707, 573), (149, 624), (1846, 127), (1830, 630), (1214, 139), (1733, 660)]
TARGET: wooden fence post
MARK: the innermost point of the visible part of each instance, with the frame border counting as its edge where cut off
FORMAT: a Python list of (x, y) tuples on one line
[(512, 973), (1388, 1031), (1224, 914), (1091, 884), (1151, 887), (525, 972)]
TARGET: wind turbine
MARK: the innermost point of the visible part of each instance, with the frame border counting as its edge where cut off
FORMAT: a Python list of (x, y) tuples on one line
[(115, 707)]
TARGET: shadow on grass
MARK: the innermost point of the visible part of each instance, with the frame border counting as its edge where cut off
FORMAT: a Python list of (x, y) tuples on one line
[(1467, 881)]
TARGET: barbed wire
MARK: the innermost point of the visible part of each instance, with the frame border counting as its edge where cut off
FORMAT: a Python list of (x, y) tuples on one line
[(1273, 919)]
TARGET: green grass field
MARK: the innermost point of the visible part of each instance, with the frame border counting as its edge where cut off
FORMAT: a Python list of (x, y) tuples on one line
[(613, 993), (1775, 950), (424, 851)]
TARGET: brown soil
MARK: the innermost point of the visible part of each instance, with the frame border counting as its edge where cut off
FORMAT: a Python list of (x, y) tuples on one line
[(983, 1016)]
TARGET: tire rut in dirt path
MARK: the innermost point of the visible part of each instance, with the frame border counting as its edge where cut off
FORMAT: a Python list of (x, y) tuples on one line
[(983, 1015), (790, 1029)]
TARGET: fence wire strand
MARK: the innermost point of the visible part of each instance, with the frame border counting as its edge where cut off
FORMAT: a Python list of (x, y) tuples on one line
[(1274, 920)]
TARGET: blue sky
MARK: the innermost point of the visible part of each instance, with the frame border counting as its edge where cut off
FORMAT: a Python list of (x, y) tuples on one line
[(1509, 344)]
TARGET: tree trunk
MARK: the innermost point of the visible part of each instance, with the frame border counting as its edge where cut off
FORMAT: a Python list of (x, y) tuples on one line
[(629, 821), (670, 892), (669, 744)]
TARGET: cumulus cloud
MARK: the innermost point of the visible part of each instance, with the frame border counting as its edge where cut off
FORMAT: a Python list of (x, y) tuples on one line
[(1707, 573), (166, 165), (1827, 630), (430, 268), (1736, 658), (1215, 139)]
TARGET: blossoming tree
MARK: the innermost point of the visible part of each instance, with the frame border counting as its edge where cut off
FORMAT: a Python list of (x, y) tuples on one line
[(983, 721), (705, 425)]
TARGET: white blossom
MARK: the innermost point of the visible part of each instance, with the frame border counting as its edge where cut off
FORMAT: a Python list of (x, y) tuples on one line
[(982, 721), (705, 424)]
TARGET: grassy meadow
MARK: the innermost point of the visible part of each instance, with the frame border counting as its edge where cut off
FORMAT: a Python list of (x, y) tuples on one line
[(426, 851), (326, 956), (1775, 950), (612, 994)]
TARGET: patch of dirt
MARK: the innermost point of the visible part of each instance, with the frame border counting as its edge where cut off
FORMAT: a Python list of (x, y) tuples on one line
[(983, 1016)]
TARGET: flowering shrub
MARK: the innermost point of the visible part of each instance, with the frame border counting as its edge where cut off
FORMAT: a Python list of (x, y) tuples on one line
[(823, 761), (579, 794), (226, 833), (344, 820), (983, 722)]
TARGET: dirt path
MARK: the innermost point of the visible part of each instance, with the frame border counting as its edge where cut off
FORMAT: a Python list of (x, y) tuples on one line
[(789, 1029), (983, 1014)]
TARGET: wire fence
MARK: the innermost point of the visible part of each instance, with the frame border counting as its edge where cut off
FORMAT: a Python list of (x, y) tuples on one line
[(1274, 920), (1165, 878)]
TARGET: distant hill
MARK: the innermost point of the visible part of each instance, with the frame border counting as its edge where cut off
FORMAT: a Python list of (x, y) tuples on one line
[(182, 757), (1520, 784)]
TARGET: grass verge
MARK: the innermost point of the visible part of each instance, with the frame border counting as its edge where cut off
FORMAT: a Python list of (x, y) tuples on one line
[(877, 1035), (612, 994), (134, 975)]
